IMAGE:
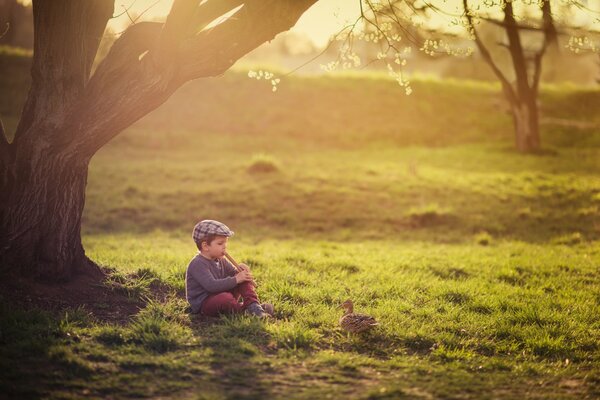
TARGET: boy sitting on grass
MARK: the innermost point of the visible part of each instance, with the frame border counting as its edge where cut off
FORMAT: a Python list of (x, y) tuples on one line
[(213, 285)]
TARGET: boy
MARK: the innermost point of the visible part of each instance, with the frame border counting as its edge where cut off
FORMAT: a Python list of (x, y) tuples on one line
[(212, 285)]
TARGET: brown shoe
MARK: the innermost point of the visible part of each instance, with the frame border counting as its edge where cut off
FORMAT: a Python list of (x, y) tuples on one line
[(269, 309)]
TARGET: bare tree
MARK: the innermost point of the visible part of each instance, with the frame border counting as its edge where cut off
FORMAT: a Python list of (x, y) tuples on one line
[(526, 58), (522, 96), (70, 115)]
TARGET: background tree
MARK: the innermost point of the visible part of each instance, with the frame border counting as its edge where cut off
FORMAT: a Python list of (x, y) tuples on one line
[(529, 34), (69, 116), (527, 66)]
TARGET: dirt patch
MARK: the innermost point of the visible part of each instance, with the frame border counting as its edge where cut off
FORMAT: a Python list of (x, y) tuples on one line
[(85, 290)]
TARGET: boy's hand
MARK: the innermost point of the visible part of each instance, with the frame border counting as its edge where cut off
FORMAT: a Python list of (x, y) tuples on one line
[(243, 276), (244, 267)]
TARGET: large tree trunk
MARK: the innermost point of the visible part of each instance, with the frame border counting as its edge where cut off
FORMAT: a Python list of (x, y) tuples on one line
[(42, 181), (41, 229), (526, 123)]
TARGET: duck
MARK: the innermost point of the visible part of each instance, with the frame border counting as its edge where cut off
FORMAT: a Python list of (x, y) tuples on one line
[(353, 322)]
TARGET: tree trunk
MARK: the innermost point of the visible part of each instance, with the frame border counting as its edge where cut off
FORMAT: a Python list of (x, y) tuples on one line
[(526, 122), (41, 235), (42, 181)]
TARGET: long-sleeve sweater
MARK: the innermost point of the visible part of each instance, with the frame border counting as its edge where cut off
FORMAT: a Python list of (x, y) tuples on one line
[(205, 277)]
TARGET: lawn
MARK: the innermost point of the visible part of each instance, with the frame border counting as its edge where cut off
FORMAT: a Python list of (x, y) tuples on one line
[(481, 264)]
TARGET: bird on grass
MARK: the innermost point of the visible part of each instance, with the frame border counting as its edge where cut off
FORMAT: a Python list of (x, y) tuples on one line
[(353, 322)]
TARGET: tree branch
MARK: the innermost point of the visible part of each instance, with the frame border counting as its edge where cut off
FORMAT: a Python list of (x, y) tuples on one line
[(554, 31), (66, 38), (506, 86), (350, 27), (503, 24), (414, 37), (376, 25), (121, 90), (516, 50), (550, 39), (175, 29), (550, 32), (391, 15), (211, 10), (126, 52), (213, 51), (125, 10), (128, 83)]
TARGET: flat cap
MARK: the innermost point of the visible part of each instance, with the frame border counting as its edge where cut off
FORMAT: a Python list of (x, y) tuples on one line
[(210, 227)]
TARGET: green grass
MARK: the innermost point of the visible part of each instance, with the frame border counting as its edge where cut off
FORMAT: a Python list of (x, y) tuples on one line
[(455, 319), (480, 263)]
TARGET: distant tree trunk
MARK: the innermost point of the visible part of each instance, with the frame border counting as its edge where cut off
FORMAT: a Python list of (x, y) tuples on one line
[(524, 104), (522, 98), (69, 116), (526, 122)]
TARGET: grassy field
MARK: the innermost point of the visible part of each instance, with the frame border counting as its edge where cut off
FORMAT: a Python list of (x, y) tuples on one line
[(482, 265)]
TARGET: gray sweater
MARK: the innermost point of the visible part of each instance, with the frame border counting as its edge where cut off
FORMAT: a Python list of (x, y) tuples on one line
[(205, 277)]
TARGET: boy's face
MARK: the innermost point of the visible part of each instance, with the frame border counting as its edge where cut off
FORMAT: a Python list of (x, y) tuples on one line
[(216, 249)]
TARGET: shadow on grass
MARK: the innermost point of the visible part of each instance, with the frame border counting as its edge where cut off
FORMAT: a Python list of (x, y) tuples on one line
[(35, 352), (378, 345), (236, 343), (54, 336), (46, 355)]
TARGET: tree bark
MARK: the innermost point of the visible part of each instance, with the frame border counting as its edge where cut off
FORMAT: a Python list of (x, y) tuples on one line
[(524, 108), (41, 234), (42, 182), (526, 123)]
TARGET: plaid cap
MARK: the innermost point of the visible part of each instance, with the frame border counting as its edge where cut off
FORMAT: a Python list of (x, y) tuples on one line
[(210, 227)]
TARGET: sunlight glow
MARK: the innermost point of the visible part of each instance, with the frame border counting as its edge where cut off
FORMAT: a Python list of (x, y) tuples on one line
[(327, 17), (319, 23)]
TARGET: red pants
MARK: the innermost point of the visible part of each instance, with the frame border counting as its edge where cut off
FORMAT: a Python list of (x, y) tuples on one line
[(228, 302)]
